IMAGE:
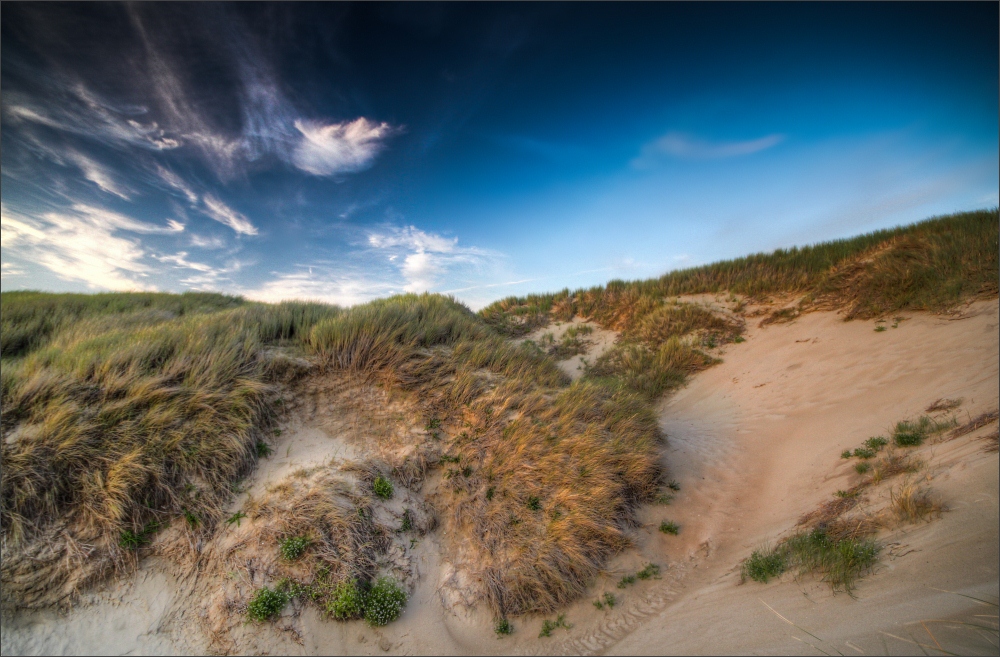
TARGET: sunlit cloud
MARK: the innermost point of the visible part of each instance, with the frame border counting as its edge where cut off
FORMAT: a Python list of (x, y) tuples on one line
[(424, 258), (83, 244), (329, 149)]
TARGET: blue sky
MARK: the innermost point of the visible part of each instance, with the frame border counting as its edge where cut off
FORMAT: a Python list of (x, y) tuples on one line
[(346, 152)]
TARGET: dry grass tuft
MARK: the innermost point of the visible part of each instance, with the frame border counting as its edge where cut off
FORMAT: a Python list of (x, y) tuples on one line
[(976, 423), (911, 503), (943, 405)]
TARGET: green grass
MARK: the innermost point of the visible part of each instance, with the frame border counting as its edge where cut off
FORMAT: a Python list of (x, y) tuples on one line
[(549, 626), (670, 527), (266, 603), (763, 564), (382, 487), (384, 602), (911, 433), (503, 627), (347, 601), (839, 562), (292, 547)]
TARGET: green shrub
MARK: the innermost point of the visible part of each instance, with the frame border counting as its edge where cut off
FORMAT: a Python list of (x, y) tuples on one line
[(548, 626), (669, 527), (382, 487), (862, 467), (626, 580), (876, 443), (911, 434), (650, 570), (864, 453), (347, 601), (763, 564), (846, 454), (384, 602), (266, 603), (503, 627), (610, 600), (534, 503), (291, 548)]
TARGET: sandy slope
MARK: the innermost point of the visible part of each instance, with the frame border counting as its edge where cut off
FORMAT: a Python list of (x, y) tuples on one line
[(754, 442)]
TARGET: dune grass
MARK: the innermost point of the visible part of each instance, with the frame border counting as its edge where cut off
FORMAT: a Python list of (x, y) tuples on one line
[(122, 410), (930, 265)]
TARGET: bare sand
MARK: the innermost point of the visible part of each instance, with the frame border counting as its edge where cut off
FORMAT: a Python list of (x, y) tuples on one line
[(754, 443)]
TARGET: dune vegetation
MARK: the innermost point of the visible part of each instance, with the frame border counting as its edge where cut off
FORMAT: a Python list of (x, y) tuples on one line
[(122, 412)]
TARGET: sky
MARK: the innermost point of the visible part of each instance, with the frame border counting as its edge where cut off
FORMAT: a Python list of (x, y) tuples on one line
[(344, 152)]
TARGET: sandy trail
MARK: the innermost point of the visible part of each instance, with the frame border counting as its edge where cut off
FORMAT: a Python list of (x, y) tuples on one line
[(754, 443)]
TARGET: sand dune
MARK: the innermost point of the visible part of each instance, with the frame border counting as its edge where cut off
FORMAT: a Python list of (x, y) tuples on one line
[(754, 443)]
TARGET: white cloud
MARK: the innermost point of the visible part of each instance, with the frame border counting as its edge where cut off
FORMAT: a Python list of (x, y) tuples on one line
[(81, 244), (175, 181), (97, 174), (203, 242), (179, 259), (224, 214), (680, 145), (326, 150), (322, 285), (424, 258)]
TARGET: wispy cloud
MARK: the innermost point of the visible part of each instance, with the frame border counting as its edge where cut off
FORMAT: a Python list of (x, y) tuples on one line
[(423, 258), (685, 146), (97, 174), (83, 244), (224, 214), (326, 150)]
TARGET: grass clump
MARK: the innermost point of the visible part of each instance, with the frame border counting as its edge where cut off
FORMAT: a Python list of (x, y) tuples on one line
[(346, 601), (549, 626), (384, 602), (763, 564), (626, 580), (382, 487), (266, 603), (503, 627), (649, 571), (292, 547), (133, 540), (670, 527), (839, 561), (862, 467)]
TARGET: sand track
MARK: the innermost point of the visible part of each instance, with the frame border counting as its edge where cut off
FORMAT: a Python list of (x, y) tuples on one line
[(754, 443)]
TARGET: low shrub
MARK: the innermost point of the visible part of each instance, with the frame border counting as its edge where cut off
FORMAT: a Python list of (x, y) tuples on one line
[(763, 564), (384, 602), (503, 627), (266, 603), (669, 527), (291, 548), (382, 487), (347, 601)]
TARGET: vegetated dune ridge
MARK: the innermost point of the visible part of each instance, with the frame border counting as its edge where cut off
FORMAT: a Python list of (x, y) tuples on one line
[(415, 358)]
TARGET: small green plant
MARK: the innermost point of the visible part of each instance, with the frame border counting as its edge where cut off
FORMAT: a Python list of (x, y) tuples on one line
[(384, 602), (548, 626), (192, 519), (864, 453), (266, 603), (610, 600), (862, 467), (131, 540), (503, 627), (347, 601), (763, 564), (263, 449), (846, 493), (534, 503), (664, 499), (382, 487), (651, 570), (489, 493), (277, 432), (626, 580), (432, 424), (236, 518), (445, 458), (846, 454), (674, 486), (598, 604), (739, 338), (879, 328), (291, 548), (407, 523), (669, 527), (912, 433), (876, 443)]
